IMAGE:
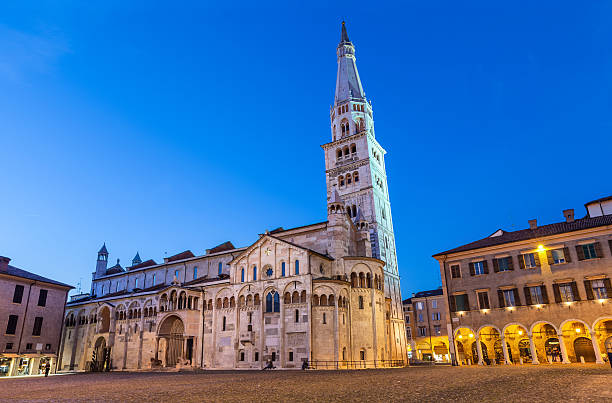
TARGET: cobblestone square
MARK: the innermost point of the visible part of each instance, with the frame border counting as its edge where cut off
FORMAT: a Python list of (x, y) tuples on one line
[(442, 383)]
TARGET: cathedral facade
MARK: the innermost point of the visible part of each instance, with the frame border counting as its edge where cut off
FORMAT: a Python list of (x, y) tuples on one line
[(326, 293)]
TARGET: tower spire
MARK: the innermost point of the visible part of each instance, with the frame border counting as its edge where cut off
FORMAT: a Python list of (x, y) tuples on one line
[(344, 38), (348, 84)]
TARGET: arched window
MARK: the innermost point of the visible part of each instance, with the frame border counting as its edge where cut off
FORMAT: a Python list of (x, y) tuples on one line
[(324, 318), (297, 316), (303, 297), (283, 269), (346, 151), (341, 180), (254, 273), (356, 177), (339, 153), (276, 302), (220, 268), (354, 210), (297, 267), (349, 180), (241, 355), (242, 274), (323, 300), (272, 302), (360, 302), (224, 323), (153, 278), (353, 148), (344, 353), (195, 272), (287, 298)]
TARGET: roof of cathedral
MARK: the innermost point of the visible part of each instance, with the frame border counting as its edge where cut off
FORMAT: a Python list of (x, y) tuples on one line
[(221, 247), (103, 249), (17, 272), (302, 247), (348, 84), (501, 237), (180, 256), (115, 269), (146, 263)]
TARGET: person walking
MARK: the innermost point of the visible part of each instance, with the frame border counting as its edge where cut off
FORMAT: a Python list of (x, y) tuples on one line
[(47, 369)]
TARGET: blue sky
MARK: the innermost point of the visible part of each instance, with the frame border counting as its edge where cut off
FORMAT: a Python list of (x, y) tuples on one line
[(159, 127)]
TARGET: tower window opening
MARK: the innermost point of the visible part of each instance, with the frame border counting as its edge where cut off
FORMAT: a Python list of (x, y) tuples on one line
[(341, 180), (356, 177), (349, 180), (353, 148)]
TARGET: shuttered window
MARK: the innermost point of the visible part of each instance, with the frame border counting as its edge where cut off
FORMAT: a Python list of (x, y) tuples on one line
[(12, 324), (534, 296), (37, 326), (455, 271), (483, 300), (42, 298), (530, 261), (599, 289), (558, 256), (509, 299), (18, 295), (589, 251), (566, 292), (462, 302), (502, 264)]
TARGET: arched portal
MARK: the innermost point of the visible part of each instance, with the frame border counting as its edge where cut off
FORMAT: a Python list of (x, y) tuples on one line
[(99, 355), (583, 347), (172, 330)]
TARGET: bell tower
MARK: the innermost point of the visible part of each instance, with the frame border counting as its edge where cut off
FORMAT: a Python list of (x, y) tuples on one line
[(355, 165)]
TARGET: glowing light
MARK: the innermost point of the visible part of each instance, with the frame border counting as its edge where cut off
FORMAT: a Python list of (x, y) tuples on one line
[(541, 248), (568, 303), (578, 330), (538, 306), (461, 336), (520, 332), (601, 300), (471, 335)]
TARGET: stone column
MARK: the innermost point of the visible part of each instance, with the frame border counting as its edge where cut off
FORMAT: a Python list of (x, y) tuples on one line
[(75, 344), (534, 355), (479, 350), (456, 351), (598, 359), (156, 348), (564, 358), (374, 335), (281, 330), (336, 335), (505, 350)]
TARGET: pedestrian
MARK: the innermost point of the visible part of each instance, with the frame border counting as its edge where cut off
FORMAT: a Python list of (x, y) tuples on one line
[(305, 365), (47, 369)]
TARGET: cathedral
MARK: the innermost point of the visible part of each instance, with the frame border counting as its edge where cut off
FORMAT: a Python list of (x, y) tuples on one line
[(325, 294)]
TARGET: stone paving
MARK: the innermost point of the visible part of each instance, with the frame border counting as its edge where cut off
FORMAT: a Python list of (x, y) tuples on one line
[(424, 384)]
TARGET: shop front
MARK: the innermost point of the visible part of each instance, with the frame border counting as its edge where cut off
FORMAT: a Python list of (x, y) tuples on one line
[(27, 364)]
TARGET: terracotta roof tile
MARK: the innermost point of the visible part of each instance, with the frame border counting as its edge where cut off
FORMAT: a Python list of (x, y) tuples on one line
[(539, 232)]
